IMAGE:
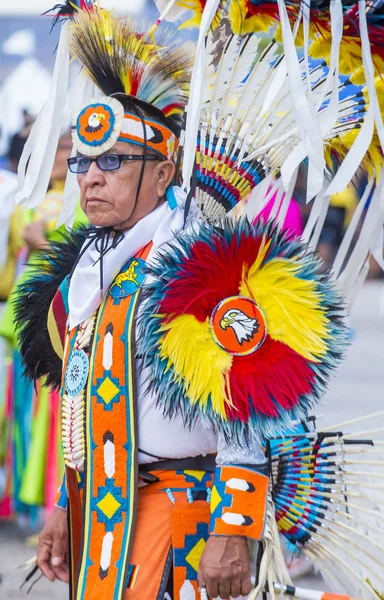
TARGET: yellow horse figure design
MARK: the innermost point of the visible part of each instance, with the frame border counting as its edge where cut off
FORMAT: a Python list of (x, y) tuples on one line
[(129, 275)]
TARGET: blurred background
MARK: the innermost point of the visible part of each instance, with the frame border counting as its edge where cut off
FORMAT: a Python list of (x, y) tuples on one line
[(30, 454)]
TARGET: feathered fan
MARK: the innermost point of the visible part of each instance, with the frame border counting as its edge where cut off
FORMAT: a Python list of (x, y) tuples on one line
[(328, 493), (240, 325)]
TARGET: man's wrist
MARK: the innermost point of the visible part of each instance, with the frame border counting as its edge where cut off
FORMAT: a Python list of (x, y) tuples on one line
[(239, 502)]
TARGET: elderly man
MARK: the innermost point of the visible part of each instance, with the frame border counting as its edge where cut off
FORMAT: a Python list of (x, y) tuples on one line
[(134, 479), (109, 199), (167, 342)]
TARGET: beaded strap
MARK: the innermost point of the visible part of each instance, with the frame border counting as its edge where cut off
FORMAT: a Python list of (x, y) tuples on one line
[(72, 420)]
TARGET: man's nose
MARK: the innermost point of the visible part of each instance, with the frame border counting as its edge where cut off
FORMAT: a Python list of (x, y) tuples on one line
[(94, 175)]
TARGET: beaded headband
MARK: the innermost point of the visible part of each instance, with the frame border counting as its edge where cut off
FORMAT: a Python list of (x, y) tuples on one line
[(101, 124)]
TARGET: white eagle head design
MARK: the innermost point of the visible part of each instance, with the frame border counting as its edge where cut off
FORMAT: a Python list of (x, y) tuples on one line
[(243, 326), (94, 122)]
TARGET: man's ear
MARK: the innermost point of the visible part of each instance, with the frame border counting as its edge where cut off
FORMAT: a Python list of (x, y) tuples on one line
[(165, 172)]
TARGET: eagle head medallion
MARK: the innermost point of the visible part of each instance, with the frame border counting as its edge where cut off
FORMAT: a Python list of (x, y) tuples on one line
[(238, 325), (98, 126)]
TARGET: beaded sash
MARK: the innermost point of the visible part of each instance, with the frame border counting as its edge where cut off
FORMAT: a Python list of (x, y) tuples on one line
[(100, 392)]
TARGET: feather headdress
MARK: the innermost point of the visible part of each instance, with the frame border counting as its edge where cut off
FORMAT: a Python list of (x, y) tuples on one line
[(273, 84), (68, 9), (262, 108), (119, 58)]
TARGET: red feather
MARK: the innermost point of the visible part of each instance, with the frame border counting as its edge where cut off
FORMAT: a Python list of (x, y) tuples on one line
[(220, 264), (272, 379), (375, 30)]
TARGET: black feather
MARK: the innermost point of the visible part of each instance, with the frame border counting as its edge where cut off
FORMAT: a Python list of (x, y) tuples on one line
[(62, 12), (32, 302)]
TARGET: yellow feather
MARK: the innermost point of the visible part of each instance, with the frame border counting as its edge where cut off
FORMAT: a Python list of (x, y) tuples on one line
[(197, 10), (358, 76), (291, 306), (203, 367), (264, 247), (321, 48), (236, 12)]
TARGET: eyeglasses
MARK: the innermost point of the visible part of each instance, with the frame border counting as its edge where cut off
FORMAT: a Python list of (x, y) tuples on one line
[(105, 162)]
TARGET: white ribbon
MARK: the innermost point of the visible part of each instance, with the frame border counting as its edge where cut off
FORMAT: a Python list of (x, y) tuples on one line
[(195, 98), (306, 9), (349, 234), (303, 111), (370, 71), (314, 240), (332, 79), (40, 148), (359, 148), (370, 231), (278, 80), (88, 92), (276, 204), (314, 215), (260, 197), (355, 155)]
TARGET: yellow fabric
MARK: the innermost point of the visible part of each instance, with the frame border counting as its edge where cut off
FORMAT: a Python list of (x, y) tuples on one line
[(198, 359), (49, 211), (291, 306), (54, 335), (15, 242), (347, 199), (32, 491)]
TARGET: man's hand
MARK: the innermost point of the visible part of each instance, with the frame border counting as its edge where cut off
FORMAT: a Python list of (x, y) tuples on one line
[(34, 236), (52, 555), (224, 567)]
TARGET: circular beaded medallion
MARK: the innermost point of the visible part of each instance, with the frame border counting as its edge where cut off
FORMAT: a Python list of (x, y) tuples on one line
[(76, 373)]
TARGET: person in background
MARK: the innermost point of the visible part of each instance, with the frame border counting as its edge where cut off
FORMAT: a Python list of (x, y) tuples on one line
[(11, 229), (293, 221), (340, 211), (11, 226), (36, 464), (41, 221)]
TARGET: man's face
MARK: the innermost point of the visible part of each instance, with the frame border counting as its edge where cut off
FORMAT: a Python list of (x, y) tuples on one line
[(108, 198)]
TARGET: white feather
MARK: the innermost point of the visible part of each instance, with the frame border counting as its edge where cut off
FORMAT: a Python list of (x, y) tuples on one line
[(36, 162)]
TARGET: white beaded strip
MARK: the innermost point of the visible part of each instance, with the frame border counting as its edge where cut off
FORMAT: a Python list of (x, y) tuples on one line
[(72, 415)]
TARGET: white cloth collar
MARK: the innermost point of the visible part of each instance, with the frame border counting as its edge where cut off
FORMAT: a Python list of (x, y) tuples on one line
[(159, 226)]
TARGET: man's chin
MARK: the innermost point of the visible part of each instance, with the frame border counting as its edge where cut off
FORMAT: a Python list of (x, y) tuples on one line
[(100, 221)]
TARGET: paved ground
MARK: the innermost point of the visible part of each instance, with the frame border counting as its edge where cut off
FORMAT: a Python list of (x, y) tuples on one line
[(357, 390)]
